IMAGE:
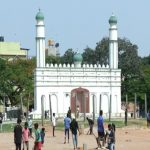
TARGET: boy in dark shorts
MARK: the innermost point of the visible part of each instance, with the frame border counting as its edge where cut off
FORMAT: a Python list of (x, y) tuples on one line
[(101, 132), (18, 134)]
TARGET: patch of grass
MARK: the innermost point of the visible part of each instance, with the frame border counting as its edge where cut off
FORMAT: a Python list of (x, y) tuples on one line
[(8, 127), (130, 123), (118, 123), (137, 122), (60, 124)]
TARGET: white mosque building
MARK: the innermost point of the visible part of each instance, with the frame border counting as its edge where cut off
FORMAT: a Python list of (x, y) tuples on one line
[(88, 87)]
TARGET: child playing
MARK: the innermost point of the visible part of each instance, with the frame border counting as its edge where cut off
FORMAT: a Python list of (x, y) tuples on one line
[(110, 135), (25, 136), (37, 144), (67, 122), (18, 134), (42, 135), (30, 125)]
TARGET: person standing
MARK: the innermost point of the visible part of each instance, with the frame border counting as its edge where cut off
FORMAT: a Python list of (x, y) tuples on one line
[(148, 119), (18, 134), (126, 116), (1, 121), (69, 113), (30, 125), (54, 124), (25, 136), (77, 111), (67, 122), (37, 143), (74, 128), (45, 114), (42, 135), (101, 132)]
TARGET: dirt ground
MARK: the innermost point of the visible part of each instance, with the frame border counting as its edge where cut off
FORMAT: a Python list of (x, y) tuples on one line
[(126, 139)]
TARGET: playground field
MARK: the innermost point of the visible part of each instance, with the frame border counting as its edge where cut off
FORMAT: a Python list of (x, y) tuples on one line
[(127, 138)]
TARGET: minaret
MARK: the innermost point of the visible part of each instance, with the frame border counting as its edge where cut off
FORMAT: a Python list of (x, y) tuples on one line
[(40, 40), (113, 43)]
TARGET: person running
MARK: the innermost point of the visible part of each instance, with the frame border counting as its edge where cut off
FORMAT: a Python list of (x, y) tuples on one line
[(91, 124), (25, 136), (18, 134), (101, 132), (54, 124), (74, 128), (37, 144), (67, 122)]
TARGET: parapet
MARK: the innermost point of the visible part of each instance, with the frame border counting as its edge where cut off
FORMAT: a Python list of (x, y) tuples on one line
[(51, 65)]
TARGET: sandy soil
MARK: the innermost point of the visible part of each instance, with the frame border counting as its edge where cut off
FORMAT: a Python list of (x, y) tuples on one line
[(126, 139)]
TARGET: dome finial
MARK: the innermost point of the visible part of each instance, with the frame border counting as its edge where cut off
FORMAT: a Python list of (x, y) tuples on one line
[(39, 15), (112, 19)]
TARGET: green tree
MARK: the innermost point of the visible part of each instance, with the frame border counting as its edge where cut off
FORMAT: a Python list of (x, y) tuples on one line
[(145, 81), (68, 57), (146, 60), (17, 79), (102, 51), (2, 74), (89, 56), (53, 59), (129, 62)]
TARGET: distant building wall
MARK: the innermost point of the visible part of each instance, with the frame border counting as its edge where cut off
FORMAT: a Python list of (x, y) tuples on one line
[(9, 50)]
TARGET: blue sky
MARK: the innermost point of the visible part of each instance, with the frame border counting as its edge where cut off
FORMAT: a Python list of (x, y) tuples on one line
[(76, 23)]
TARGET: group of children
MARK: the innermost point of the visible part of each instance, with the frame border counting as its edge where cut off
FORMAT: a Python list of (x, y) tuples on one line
[(108, 139), (22, 135), (70, 123), (105, 137)]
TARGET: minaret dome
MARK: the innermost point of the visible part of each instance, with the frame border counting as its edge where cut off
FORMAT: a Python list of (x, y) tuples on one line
[(77, 58), (113, 19), (39, 15)]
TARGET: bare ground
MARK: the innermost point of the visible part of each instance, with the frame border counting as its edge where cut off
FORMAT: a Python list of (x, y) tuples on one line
[(126, 139)]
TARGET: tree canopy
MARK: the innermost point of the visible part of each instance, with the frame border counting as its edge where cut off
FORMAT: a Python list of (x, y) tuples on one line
[(16, 78)]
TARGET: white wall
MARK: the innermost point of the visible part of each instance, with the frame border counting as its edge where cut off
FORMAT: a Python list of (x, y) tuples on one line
[(57, 82)]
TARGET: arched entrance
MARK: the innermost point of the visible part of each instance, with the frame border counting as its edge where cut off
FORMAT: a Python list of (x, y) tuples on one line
[(80, 98)]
